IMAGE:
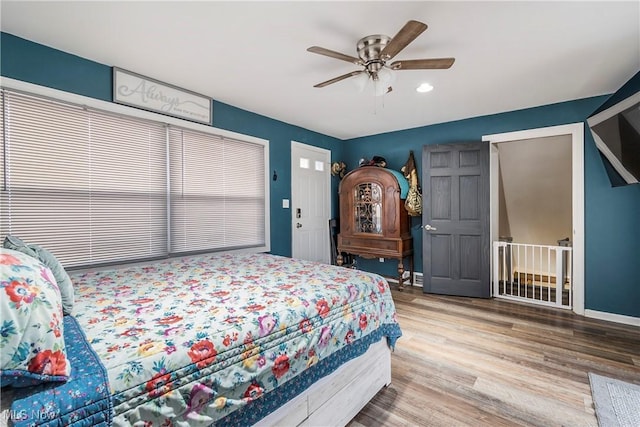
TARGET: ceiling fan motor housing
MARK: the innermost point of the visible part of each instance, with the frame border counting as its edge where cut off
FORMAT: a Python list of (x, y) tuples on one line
[(369, 49)]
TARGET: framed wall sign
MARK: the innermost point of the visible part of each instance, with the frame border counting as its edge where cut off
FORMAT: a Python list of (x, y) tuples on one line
[(139, 91)]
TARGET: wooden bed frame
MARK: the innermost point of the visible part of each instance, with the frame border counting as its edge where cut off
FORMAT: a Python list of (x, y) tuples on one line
[(337, 398)]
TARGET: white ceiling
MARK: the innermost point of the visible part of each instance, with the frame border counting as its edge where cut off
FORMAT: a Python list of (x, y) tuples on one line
[(252, 55)]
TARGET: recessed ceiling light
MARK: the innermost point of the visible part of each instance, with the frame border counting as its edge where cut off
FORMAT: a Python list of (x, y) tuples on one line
[(424, 87)]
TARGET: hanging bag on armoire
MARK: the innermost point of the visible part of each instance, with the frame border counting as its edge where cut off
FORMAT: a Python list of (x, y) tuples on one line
[(413, 202)]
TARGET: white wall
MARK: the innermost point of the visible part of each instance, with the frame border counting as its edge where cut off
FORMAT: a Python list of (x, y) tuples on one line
[(535, 178)]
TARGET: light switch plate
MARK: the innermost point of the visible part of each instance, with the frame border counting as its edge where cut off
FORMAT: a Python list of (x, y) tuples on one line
[(285, 203)]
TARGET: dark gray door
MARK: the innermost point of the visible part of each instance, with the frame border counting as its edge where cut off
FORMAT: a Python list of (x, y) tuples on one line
[(455, 219)]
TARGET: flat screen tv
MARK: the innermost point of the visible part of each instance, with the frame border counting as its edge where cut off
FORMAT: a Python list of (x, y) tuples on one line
[(616, 131)]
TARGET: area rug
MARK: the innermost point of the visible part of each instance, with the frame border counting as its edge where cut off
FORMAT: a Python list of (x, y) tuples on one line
[(617, 402)]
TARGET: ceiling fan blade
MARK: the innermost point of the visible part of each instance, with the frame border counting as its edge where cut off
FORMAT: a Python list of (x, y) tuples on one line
[(423, 64), (406, 35), (333, 54), (337, 79)]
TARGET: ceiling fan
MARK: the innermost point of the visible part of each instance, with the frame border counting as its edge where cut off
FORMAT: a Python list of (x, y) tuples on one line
[(376, 50)]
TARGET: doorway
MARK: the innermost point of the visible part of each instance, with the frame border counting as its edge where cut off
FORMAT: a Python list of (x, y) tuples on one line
[(310, 202), (561, 262)]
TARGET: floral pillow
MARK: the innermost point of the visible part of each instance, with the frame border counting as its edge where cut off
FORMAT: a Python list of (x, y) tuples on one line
[(48, 259), (32, 347)]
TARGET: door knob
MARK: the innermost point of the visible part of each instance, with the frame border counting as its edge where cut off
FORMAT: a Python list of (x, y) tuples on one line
[(298, 225), (428, 227)]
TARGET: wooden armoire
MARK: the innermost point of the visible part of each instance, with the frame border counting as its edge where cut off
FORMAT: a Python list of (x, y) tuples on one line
[(373, 220)]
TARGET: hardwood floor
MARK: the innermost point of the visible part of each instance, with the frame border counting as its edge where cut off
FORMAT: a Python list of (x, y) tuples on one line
[(477, 362)]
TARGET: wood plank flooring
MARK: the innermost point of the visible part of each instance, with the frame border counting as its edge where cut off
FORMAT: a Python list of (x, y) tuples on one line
[(477, 362)]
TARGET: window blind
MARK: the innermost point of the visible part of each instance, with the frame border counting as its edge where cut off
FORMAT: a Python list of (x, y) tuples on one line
[(217, 192), (89, 186)]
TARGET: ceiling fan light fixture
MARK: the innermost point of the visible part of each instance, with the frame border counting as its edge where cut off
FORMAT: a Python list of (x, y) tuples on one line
[(386, 75), (382, 81), (361, 81), (424, 87)]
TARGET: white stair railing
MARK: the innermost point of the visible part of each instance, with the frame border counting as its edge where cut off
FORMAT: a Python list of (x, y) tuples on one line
[(539, 274)]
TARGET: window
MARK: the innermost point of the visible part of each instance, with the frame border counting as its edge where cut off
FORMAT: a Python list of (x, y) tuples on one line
[(217, 192), (88, 186), (96, 187)]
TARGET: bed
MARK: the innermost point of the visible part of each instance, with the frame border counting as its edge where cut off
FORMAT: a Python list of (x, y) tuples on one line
[(226, 339)]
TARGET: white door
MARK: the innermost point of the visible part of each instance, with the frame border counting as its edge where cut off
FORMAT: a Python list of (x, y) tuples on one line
[(310, 202)]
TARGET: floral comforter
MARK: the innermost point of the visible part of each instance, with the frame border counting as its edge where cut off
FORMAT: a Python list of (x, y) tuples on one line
[(187, 342), (83, 400)]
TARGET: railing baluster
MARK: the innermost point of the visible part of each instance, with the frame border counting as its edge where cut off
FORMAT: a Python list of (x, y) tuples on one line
[(504, 268), (511, 278), (496, 267), (533, 272), (559, 253), (549, 267), (569, 256), (519, 271), (542, 269), (526, 271), (517, 265)]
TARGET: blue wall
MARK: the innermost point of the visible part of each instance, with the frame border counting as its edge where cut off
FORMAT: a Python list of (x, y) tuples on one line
[(612, 215), (24, 60)]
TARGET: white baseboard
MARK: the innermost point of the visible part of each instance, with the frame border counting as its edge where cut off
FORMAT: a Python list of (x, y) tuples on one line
[(611, 317), (393, 280), (417, 279)]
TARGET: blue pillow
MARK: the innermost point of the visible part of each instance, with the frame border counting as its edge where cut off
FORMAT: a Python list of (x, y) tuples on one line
[(48, 259), (16, 244)]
